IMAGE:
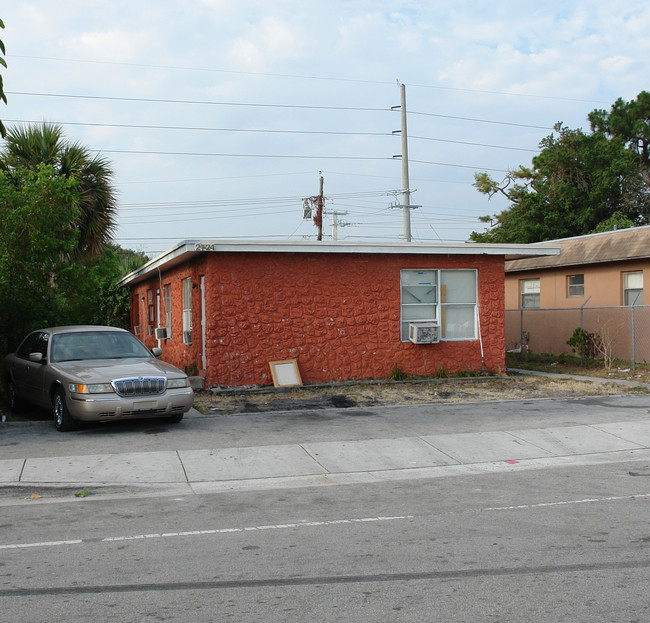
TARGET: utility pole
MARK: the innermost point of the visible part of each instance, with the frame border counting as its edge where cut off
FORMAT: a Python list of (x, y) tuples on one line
[(319, 210), (310, 203), (406, 190), (336, 223)]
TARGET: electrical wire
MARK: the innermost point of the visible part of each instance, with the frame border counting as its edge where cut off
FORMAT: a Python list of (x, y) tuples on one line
[(305, 77)]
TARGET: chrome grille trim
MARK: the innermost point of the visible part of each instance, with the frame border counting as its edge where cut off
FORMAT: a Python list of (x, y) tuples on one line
[(140, 386)]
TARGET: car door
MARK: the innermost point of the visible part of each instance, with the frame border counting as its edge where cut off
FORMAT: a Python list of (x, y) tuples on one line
[(29, 375)]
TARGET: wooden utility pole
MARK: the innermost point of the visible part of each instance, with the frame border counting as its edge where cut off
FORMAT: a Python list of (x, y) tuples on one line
[(310, 203), (319, 209)]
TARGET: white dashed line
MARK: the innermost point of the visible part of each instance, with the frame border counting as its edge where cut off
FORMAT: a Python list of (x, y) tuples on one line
[(165, 535), (565, 502)]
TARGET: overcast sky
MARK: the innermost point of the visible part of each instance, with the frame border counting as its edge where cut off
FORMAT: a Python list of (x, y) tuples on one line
[(218, 115)]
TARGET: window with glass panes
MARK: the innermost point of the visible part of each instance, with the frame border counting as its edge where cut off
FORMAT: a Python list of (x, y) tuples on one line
[(529, 293), (576, 285), (187, 311), (445, 296), (167, 298), (633, 288)]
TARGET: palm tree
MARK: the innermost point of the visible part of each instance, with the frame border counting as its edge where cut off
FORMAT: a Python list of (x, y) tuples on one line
[(29, 146)]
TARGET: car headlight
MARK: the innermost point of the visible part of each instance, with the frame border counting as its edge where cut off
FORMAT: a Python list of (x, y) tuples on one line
[(92, 388), (175, 383)]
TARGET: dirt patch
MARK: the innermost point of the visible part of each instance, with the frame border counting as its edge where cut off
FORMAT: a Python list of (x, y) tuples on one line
[(386, 394)]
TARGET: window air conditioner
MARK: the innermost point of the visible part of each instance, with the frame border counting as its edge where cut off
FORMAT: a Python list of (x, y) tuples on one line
[(424, 332), (161, 333)]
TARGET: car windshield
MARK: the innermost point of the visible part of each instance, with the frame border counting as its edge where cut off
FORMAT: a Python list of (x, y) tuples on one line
[(81, 345)]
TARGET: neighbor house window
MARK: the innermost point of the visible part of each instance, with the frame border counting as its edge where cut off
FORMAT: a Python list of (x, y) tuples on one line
[(187, 311), (633, 288), (167, 299), (444, 296), (529, 293), (576, 285)]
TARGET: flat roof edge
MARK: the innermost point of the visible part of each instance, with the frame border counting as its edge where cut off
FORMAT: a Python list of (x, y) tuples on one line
[(188, 248)]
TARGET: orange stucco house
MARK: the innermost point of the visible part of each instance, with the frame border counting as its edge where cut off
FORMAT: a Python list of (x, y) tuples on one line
[(597, 280), (341, 310)]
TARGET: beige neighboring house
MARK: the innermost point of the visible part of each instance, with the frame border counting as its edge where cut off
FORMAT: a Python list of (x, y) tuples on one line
[(596, 282)]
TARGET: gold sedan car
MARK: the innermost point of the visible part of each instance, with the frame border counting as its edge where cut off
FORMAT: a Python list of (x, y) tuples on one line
[(94, 373)]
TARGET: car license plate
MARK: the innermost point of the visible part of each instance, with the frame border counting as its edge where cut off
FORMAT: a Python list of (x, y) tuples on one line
[(144, 405)]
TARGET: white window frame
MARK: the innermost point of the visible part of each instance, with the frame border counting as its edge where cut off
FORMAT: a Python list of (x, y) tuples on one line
[(576, 286), (436, 307), (633, 295), (187, 310), (167, 302), (528, 292)]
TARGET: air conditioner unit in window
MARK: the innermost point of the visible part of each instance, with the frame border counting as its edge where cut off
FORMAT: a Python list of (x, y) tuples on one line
[(424, 332), (161, 333)]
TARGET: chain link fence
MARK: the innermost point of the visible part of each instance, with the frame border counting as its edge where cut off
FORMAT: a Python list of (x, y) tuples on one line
[(620, 332)]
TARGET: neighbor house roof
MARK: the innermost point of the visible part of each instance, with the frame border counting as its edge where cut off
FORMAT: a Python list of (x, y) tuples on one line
[(187, 249), (610, 246)]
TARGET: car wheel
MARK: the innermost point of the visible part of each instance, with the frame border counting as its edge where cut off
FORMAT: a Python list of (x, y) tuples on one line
[(63, 421), (175, 419), (13, 399)]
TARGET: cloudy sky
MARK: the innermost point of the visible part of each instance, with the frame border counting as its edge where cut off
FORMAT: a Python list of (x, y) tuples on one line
[(218, 115)]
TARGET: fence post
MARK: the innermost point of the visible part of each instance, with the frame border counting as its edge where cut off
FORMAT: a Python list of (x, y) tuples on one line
[(521, 333), (633, 341), (582, 328), (636, 298)]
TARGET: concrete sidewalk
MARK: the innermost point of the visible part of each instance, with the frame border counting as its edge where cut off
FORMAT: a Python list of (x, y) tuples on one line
[(332, 462)]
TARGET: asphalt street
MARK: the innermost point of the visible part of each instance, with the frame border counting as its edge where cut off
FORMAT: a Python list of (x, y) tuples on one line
[(208, 453), (497, 511)]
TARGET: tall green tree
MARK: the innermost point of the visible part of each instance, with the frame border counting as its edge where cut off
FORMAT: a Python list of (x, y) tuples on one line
[(30, 146), (38, 212), (629, 122), (578, 184), (92, 293)]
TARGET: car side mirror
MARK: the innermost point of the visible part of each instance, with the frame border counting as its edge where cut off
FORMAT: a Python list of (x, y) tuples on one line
[(36, 357), (156, 351)]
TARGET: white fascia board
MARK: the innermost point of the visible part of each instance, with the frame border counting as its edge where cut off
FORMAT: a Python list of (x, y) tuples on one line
[(187, 248)]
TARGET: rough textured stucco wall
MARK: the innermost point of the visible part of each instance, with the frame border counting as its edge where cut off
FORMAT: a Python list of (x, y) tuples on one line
[(337, 314)]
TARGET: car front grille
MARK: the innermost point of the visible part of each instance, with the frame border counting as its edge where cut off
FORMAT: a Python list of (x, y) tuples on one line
[(140, 386)]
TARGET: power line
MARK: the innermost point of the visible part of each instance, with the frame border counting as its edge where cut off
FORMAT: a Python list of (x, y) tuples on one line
[(266, 131), (307, 77), (510, 123), (259, 105), (152, 100), (203, 129), (231, 155), (444, 140)]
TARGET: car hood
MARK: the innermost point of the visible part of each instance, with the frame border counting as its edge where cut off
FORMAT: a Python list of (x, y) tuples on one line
[(104, 370)]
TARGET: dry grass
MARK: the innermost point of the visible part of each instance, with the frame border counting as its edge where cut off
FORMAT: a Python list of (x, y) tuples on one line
[(384, 394)]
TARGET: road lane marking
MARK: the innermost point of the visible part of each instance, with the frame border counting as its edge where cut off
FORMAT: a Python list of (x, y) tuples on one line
[(41, 544), (565, 502), (164, 535)]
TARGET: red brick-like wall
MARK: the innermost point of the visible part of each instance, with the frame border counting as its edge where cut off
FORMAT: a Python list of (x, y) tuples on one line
[(337, 314)]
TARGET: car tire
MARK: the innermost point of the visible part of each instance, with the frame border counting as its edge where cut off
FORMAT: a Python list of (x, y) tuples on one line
[(63, 421), (15, 403), (175, 419)]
